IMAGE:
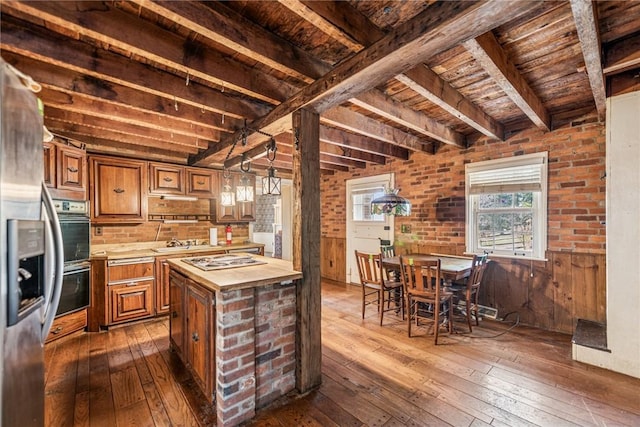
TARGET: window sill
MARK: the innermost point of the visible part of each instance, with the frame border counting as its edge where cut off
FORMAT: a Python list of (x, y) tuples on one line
[(524, 258)]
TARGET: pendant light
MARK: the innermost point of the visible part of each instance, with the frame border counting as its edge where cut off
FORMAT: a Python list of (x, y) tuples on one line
[(244, 191), (391, 204), (270, 183), (227, 197)]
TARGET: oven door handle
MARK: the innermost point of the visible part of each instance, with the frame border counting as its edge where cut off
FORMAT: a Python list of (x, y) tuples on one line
[(54, 262)]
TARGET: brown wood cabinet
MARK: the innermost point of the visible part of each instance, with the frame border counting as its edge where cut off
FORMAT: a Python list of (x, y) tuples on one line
[(130, 301), (49, 164), (65, 171), (241, 211), (166, 179), (176, 318), (67, 324), (202, 183), (118, 190), (192, 324)]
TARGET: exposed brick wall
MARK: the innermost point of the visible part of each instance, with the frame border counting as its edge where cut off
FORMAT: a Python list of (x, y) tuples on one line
[(435, 185), (255, 348), (275, 342), (146, 231)]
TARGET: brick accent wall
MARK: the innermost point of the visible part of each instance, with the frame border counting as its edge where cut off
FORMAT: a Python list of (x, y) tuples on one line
[(147, 231), (435, 185), (255, 347)]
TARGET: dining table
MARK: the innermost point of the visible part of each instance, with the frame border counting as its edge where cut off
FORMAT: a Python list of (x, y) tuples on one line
[(452, 268)]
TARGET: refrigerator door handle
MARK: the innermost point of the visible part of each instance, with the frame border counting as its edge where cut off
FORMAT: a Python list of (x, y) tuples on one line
[(54, 263)]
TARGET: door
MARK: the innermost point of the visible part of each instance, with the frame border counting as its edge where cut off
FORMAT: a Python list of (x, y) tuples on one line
[(364, 230)]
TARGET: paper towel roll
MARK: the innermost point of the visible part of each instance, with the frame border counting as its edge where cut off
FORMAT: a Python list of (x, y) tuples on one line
[(213, 236)]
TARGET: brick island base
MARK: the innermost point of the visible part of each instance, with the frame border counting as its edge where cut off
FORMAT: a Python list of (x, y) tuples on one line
[(255, 349), (235, 330)]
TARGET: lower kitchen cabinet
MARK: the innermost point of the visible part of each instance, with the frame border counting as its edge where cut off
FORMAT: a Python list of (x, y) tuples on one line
[(131, 301), (66, 324), (193, 312)]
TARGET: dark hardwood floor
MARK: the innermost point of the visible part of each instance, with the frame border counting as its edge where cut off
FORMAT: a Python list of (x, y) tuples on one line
[(372, 375)]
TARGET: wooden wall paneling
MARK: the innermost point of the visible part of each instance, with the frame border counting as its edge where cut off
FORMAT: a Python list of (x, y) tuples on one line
[(585, 275), (563, 291), (333, 258), (540, 298), (601, 310)]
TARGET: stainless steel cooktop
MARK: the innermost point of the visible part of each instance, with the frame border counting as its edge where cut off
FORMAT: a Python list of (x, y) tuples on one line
[(220, 262)]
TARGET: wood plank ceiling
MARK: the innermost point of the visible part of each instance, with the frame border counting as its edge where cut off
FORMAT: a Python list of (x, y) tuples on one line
[(184, 82)]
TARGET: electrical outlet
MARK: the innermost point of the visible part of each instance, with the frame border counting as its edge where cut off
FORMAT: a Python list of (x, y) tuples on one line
[(98, 231), (405, 228)]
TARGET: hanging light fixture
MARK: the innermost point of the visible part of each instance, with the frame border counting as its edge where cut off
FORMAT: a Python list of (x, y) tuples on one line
[(271, 183), (391, 204), (227, 197), (244, 191)]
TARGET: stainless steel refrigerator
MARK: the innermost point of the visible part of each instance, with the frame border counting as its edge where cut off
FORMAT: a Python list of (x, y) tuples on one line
[(31, 262)]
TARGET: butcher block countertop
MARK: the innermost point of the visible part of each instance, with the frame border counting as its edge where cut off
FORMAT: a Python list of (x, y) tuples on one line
[(272, 271)]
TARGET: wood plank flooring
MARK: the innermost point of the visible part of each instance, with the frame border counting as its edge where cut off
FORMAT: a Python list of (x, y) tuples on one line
[(372, 376)]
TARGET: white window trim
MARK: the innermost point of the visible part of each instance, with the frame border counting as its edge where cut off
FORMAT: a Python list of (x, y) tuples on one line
[(540, 243)]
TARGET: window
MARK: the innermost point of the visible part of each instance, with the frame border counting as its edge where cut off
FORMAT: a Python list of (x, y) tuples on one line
[(507, 206), (361, 202)]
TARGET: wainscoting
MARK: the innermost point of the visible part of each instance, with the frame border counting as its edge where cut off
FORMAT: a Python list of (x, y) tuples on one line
[(551, 295)]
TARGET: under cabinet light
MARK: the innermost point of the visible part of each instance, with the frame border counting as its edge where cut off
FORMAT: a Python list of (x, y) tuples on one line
[(180, 221), (183, 198)]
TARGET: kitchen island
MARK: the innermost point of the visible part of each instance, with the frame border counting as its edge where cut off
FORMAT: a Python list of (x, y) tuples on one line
[(235, 329)]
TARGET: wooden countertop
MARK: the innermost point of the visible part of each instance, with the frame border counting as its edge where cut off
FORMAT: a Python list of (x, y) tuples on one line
[(146, 249), (274, 271)]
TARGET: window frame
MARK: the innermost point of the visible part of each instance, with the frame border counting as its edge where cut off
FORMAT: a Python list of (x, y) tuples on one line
[(540, 196)]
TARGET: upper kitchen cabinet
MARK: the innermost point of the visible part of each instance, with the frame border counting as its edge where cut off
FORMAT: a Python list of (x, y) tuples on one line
[(118, 190), (202, 183), (65, 171), (166, 179), (231, 209)]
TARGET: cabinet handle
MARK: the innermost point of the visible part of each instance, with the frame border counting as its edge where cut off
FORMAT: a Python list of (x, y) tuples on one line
[(167, 179), (200, 182), (72, 169), (174, 314), (195, 337), (118, 190), (57, 330)]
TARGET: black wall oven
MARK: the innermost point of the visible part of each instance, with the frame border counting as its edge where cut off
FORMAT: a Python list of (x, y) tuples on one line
[(74, 222)]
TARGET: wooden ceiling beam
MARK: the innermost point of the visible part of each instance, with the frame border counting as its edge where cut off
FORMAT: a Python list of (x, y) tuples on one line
[(103, 22), (621, 55), (57, 126), (487, 51), (47, 46), (347, 119), (350, 153), (71, 82), (80, 103), (584, 15), (230, 29), (362, 143), (384, 106), (428, 84), (135, 132), (434, 88), (307, 12)]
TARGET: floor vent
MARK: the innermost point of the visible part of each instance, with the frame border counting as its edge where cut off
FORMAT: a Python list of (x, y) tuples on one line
[(483, 311)]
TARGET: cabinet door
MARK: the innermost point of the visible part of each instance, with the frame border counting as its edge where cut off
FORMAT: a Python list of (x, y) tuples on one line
[(201, 183), (166, 179), (117, 190), (198, 324), (162, 286), (176, 318), (72, 165), (131, 301), (49, 164)]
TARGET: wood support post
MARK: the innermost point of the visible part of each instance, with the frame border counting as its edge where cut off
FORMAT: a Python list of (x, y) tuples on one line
[(306, 247)]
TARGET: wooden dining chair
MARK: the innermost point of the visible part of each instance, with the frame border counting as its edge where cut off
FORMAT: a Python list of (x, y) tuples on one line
[(426, 299), (469, 291), (377, 287)]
